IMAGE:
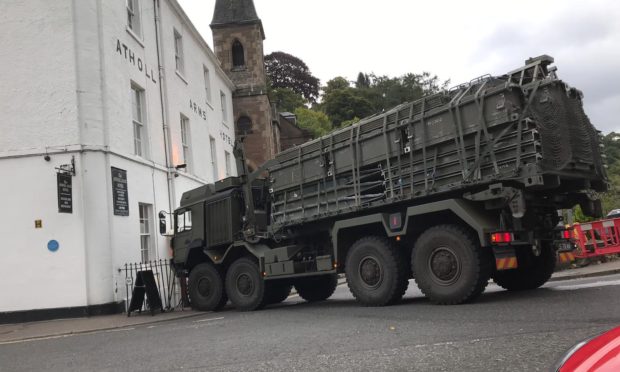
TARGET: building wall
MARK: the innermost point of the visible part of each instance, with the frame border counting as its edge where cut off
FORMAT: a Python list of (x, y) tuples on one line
[(250, 97), (251, 37), (68, 95), (259, 145)]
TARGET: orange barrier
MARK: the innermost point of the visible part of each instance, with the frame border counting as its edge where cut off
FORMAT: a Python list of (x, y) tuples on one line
[(597, 238)]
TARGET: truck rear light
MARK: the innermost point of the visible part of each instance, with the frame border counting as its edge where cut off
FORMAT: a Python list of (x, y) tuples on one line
[(501, 237), (566, 234)]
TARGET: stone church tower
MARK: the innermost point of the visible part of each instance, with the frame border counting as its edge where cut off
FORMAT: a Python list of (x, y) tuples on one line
[(238, 42)]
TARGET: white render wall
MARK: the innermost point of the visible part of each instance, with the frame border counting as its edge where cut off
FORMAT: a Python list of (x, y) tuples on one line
[(65, 91)]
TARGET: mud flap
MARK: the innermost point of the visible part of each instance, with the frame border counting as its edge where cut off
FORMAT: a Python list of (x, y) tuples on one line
[(505, 258)]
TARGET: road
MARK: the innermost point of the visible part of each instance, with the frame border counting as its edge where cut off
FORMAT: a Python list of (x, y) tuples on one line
[(502, 331)]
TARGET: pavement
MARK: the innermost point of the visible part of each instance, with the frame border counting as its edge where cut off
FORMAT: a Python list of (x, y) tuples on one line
[(14, 333)]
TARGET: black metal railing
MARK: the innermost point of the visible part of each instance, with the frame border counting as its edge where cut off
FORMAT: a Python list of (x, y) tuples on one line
[(168, 285)]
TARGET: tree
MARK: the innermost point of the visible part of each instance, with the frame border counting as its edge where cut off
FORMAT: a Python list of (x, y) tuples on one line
[(345, 104), (385, 92), (334, 84), (611, 198), (315, 121), (285, 99), (287, 71), (363, 81)]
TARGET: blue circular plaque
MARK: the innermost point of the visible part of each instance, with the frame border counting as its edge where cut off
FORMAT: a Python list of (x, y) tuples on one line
[(53, 245)]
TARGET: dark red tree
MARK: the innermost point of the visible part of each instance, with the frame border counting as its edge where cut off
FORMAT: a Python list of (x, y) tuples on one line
[(287, 71)]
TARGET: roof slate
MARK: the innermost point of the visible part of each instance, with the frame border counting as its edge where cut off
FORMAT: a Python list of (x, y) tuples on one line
[(234, 11)]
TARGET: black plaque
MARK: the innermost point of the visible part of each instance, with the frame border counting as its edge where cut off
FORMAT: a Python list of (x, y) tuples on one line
[(119, 192), (65, 193)]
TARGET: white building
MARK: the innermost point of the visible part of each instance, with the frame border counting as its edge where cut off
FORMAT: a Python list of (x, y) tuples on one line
[(111, 89)]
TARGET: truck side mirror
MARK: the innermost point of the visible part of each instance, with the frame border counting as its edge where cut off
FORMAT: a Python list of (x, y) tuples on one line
[(162, 223)]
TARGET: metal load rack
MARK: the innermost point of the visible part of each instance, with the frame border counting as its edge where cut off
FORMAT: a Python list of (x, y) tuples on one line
[(526, 127)]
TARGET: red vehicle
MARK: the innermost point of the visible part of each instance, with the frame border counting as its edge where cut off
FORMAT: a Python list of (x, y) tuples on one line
[(600, 353)]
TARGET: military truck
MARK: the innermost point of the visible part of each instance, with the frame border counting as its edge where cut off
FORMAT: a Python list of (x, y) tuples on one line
[(451, 190)]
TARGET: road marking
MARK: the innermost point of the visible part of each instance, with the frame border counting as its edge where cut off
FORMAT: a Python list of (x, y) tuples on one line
[(119, 329), (208, 320), (585, 285)]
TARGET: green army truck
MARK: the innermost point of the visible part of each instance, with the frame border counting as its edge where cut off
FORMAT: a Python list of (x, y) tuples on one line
[(451, 190)]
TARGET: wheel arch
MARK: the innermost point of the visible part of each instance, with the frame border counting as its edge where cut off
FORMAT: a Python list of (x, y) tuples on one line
[(416, 219)]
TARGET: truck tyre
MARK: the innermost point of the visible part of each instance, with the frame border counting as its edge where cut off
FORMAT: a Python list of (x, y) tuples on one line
[(317, 288), (245, 286), (533, 273), (377, 273), (277, 291), (449, 265), (206, 288)]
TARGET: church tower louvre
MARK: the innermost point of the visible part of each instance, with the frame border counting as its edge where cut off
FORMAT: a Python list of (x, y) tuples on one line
[(238, 42)]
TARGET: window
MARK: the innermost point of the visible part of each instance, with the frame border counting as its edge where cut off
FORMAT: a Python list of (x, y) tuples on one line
[(223, 103), (228, 165), (244, 125), (237, 54), (133, 17), (207, 83), (137, 113), (146, 237), (178, 51), (213, 158), (185, 142), (184, 221)]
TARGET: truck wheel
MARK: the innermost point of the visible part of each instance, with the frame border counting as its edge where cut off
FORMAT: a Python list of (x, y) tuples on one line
[(317, 288), (449, 266), (244, 285), (377, 273), (206, 288), (535, 271), (277, 291)]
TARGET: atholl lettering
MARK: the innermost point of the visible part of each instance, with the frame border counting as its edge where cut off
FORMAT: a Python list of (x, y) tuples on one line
[(130, 56)]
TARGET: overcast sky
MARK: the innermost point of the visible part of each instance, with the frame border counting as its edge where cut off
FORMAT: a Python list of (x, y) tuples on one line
[(456, 40)]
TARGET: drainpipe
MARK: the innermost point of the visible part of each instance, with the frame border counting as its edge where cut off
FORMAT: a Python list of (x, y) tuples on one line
[(164, 112)]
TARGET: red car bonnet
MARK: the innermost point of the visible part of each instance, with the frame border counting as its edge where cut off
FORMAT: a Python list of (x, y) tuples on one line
[(601, 354)]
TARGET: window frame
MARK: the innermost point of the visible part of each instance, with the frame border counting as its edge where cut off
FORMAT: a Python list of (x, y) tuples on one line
[(139, 128), (224, 107), (147, 222), (186, 144), (179, 62), (134, 17), (213, 149), (227, 163), (238, 55), (206, 73), (184, 227)]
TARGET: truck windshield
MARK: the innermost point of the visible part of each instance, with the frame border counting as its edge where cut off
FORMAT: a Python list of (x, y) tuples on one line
[(184, 221)]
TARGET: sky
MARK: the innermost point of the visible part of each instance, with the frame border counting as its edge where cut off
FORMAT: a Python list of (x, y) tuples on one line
[(456, 40)]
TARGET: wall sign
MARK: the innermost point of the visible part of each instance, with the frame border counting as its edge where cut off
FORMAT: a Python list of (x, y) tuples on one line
[(53, 245), (130, 56), (119, 192), (65, 193)]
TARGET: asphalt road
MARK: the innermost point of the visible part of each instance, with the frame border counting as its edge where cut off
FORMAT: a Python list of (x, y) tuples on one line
[(502, 331)]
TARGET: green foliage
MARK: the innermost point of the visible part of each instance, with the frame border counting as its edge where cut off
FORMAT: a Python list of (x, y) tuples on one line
[(335, 84), (285, 99), (315, 121), (347, 123), (610, 199), (373, 93), (342, 103)]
